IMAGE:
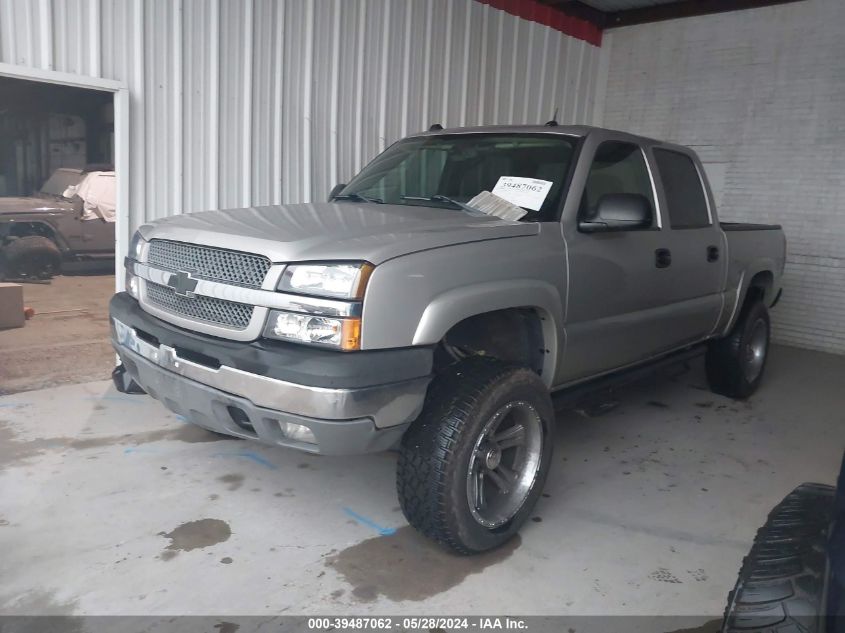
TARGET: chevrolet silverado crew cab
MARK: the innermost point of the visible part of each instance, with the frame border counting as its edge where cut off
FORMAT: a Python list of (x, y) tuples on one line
[(435, 302)]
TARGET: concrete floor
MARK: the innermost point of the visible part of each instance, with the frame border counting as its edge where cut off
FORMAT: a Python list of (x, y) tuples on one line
[(67, 341), (111, 505)]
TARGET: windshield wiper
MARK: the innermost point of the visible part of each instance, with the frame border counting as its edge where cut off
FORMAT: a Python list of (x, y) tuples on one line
[(441, 198), (358, 197)]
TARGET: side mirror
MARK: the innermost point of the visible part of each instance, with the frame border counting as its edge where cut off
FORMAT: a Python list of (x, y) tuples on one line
[(336, 190), (619, 212)]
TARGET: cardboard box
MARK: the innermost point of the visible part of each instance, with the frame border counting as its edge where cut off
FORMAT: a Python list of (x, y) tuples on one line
[(11, 306)]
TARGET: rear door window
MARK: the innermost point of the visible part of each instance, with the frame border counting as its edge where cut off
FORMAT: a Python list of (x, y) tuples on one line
[(683, 189)]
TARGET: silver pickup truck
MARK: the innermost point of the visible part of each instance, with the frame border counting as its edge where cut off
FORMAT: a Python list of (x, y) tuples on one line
[(398, 315)]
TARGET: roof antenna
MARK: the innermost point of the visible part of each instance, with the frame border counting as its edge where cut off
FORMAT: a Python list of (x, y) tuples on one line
[(553, 122), (435, 127)]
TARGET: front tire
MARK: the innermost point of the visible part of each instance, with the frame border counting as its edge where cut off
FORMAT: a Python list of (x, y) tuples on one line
[(473, 465), (735, 363)]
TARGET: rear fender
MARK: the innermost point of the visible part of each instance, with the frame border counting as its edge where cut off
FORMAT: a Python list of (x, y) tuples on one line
[(736, 298)]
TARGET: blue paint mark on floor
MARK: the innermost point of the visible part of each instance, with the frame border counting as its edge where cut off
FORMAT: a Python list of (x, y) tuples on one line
[(383, 531), (258, 459), (14, 405), (139, 449)]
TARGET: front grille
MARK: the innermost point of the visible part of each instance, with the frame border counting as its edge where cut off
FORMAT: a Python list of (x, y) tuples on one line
[(217, 311), (206, 262)]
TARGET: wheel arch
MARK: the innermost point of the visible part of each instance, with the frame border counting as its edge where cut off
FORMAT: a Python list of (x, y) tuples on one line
[(28, 228), (489, 307), (756, 283)]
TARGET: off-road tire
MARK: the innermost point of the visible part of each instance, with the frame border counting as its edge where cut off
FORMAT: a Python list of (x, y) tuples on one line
[(32, 257), (725, 360), (781, 582), (435, 452)]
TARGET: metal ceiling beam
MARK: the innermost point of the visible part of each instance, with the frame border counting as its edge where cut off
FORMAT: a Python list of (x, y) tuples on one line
[(683, 9), (655, 13), (576, 9)]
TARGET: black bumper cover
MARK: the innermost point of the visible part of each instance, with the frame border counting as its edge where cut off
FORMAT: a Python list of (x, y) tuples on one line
[(298, 364)]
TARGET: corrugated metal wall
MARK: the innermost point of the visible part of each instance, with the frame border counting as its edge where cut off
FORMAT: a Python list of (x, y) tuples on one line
[(240, 102)]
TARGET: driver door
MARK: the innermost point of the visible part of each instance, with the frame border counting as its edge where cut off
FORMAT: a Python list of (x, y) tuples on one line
[(618, 288)]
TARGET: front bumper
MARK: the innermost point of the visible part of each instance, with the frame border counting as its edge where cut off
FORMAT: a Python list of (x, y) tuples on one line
[(184, 371)]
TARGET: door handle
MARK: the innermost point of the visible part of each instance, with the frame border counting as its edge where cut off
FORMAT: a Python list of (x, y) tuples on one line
[(712, 253), (662, 258)]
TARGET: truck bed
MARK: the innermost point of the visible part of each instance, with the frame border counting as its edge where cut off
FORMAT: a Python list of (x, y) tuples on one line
[(754, 248)]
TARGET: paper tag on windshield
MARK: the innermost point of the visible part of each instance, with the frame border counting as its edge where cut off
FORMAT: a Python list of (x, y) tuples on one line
[(523, 192)]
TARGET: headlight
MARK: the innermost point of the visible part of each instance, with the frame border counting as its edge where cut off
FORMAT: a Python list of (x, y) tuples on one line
[(335, 280), (136, 246), (344, 334), (132, 285)]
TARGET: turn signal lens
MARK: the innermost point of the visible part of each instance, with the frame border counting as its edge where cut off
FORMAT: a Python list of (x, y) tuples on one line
[(351, 334)]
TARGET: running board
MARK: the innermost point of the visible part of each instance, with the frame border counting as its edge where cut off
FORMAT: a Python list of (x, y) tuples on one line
[(570, 397)]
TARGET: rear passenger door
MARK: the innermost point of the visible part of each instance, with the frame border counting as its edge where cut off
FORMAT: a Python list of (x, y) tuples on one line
[(696, 242)]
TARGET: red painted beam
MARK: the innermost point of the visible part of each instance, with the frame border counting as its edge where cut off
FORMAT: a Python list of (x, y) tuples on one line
[(536, 11)]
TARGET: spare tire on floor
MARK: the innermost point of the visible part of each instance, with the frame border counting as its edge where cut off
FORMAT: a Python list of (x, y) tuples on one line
[(781, 585), (32, 257)]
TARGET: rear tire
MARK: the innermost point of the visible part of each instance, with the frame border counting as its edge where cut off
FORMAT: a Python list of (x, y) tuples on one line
[(735, 364), (32, 257), (473, 465)]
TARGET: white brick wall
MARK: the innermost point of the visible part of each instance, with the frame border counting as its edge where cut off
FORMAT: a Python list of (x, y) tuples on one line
[(760, 94)]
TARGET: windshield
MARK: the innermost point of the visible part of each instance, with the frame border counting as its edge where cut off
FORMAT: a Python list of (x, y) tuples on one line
[(61, 180), (460, 166)]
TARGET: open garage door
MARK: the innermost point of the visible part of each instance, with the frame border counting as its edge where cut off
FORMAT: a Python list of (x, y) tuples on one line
[(58, 203)]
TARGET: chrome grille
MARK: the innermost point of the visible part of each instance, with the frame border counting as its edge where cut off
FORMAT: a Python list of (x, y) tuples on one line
[(206, 262), (209, 309)]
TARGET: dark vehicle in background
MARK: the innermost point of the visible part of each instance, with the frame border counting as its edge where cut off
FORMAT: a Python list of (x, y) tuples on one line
[(793, 579), (56, 225)]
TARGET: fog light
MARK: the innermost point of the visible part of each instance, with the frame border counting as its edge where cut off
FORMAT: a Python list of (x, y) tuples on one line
[(297, 432)]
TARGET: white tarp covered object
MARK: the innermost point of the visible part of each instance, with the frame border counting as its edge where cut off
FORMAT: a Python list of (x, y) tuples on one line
[(97, 191)]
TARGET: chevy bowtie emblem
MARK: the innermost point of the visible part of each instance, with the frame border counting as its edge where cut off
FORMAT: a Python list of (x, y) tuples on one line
[(182, 283)]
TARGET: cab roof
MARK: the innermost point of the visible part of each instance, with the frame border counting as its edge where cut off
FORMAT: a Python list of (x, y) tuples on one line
[(567, 130)]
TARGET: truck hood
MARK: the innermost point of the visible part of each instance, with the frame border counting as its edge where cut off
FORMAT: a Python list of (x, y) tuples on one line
[(334, 231), (11, 205)]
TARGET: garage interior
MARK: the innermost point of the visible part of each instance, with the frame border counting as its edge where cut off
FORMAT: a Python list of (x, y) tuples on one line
[(44, 128), (111, 505)]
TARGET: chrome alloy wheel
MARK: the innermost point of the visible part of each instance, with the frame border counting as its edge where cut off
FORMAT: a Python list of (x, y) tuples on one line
[(754, 352), (504, 464)]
